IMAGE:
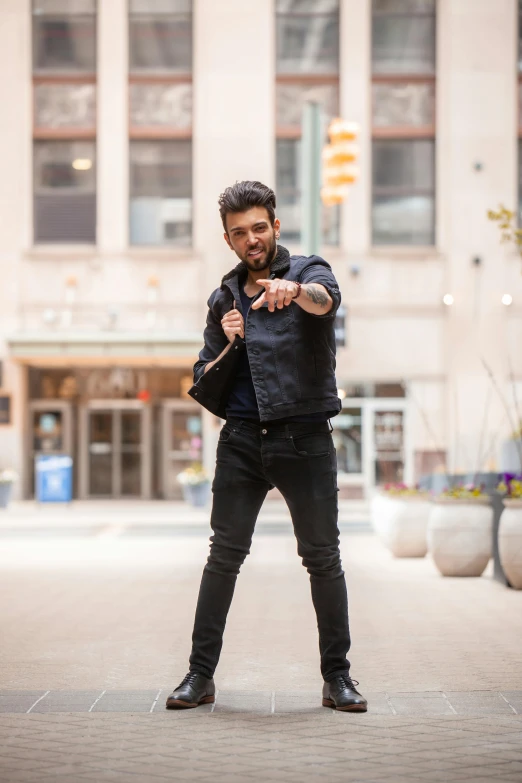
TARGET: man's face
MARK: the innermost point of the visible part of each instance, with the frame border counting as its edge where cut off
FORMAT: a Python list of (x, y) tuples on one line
[(252, 238)]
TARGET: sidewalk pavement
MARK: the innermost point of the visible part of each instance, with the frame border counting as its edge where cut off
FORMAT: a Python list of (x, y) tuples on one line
[(108, 515), (96, 632)]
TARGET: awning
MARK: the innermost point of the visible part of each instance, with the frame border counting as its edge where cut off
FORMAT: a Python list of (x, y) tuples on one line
[(104, 347)]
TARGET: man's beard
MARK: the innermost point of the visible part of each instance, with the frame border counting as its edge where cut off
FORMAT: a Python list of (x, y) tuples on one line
[(264, 261)]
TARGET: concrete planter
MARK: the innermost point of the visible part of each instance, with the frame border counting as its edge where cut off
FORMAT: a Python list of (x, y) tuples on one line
[(6, 489), (407, 533), (460, 536), (510, 542), (380, 512)]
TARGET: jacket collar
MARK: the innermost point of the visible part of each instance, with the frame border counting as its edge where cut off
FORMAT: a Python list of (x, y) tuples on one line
[(279, 267)]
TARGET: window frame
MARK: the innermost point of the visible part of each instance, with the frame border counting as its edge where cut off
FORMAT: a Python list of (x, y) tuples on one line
[(299, 78), (65, 134), (404, 132), (144, 133)]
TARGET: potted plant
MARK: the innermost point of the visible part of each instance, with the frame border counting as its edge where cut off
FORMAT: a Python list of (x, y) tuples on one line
[(510, 529), (460, 530), (7, 479), (407, 511), (195, 483)]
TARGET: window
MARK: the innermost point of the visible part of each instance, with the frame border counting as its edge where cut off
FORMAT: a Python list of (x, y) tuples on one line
[(307, 65), (64, 191), (160, 121), (64, 36), (64, 95), (161, 192), (403, 114)]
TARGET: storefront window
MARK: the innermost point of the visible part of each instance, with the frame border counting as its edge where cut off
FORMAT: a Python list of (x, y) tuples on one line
[(388, 434)]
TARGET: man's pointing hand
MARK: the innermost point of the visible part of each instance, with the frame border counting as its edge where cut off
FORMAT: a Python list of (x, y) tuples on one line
[(278, 293)]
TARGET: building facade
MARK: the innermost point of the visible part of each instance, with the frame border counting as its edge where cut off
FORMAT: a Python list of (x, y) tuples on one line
[(123, 121)]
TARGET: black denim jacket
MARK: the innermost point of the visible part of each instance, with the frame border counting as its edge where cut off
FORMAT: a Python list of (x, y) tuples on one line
[(291, 352)]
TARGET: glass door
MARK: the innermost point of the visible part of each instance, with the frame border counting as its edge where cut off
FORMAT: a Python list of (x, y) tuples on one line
[(131, 454), (101, 454), (117, 443), (388, 451)]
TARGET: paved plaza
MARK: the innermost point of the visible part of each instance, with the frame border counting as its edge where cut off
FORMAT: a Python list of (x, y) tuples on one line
[(96, 608)]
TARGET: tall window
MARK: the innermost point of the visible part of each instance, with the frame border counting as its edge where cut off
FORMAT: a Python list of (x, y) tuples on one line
[(160, 117), (307, 66), (403, 111), (64, 78)]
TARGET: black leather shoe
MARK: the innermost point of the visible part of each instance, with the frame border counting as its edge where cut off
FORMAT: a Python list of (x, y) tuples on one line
[(340, 693), (193, 690)]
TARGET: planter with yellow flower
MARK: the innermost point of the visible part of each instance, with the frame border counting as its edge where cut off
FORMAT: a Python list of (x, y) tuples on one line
[(510, 530), (196, 484), (407, 512), (460, 531)]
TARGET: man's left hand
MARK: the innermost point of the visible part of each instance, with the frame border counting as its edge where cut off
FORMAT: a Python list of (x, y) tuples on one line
[(278, 293)]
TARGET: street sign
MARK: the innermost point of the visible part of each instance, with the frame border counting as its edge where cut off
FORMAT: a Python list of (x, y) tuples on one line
[(54, 478)]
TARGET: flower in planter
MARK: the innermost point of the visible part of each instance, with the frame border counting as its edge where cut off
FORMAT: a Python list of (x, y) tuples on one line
[(194, 475), (511, 486), (403, 490), (8, 476), (465, 492)]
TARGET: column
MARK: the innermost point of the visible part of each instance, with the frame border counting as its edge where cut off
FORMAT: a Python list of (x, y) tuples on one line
[(477, 160), (234, 110), (112, 132)]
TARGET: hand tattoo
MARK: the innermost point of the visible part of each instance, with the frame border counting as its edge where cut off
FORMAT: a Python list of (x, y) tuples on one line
[(317, 295)]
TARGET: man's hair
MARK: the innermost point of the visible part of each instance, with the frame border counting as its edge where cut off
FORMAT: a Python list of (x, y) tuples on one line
[(245, 195)]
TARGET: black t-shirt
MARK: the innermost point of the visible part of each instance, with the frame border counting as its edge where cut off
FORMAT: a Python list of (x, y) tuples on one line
[(242, 401)]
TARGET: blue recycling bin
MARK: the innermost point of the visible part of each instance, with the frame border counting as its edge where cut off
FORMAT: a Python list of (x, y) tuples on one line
[(54, 478)]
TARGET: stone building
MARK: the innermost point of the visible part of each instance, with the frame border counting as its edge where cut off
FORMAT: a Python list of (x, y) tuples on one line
[(123, 120)]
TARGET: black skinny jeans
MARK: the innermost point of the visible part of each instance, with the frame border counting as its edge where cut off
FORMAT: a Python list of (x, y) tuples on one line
[(298, 459)]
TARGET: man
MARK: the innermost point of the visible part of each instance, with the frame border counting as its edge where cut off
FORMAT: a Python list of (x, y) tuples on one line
[(268, 368)]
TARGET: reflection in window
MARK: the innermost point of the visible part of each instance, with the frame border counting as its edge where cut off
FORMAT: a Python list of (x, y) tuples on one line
[(403, 192), (64, 191), (64, 35), (403, 36), (307, 36), (160, 36), (161, 192), (288, 191)]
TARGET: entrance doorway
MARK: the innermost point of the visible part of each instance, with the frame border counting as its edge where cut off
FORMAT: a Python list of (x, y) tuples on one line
[(115, 438)]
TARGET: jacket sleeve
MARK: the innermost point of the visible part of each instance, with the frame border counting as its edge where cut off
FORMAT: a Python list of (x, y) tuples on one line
[(317, 270), (215, 341)]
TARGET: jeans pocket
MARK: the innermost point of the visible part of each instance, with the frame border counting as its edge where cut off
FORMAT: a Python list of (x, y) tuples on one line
[(315, 444), (225, 434)]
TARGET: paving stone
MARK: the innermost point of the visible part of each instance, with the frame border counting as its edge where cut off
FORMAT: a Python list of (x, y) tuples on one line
[(514, 698), (244, 701), (126, 701), (416, 704), (298, 701), (18, 701), (67, 701), (481, 702)]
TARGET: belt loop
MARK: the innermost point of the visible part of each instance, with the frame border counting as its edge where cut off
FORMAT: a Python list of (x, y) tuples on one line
[(330, 425)]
